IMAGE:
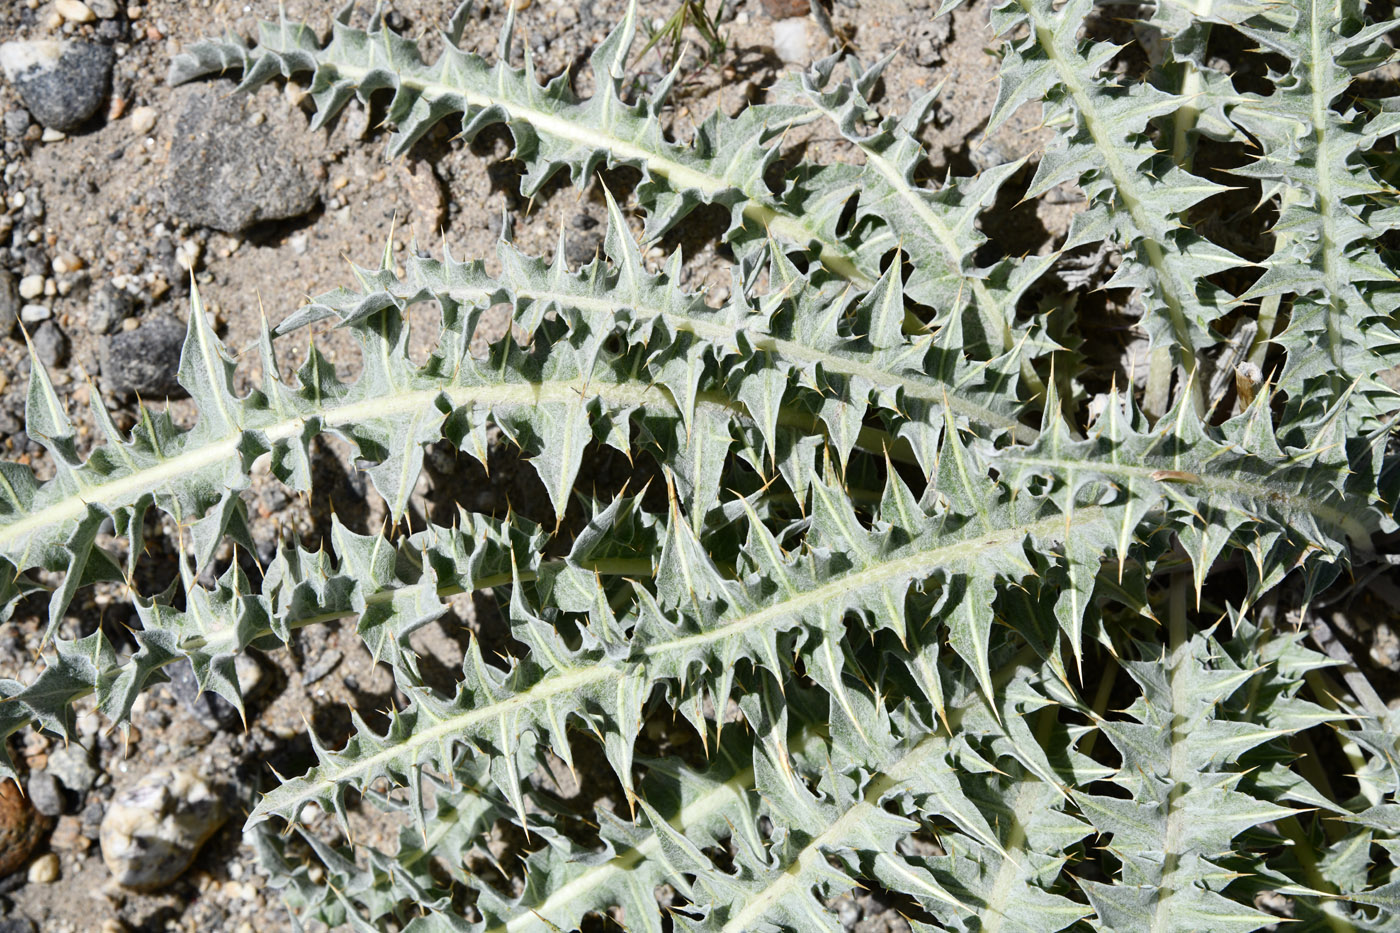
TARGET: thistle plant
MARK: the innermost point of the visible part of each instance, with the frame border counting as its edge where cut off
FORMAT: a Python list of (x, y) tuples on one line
[(942, 606)]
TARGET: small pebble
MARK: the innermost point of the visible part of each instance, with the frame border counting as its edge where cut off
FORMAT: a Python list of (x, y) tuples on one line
[(790, 41), (16, 122), (75, 11), (188, 254), (51, 135), (424, 194), (105, 9), (72, 765), (45, 793), (31, 286), (50, 345), (251, 679), (64, 263), (90, 722), (108, 307), (846, 912), (44, 870), (143, 120), (68, 836), (34, 313), (112, 30)]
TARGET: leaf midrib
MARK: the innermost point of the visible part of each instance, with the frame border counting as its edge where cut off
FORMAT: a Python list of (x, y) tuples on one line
[(1124, 181), (721, 333), (1332, 514), (920, 565), (171, 468), (766, 216), (708, 803), (947, 242), (116, 492)]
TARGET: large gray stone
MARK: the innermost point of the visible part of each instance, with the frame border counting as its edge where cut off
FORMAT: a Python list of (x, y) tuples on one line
[(62, 83), (229, 174), (145, 361), (153, 830)]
